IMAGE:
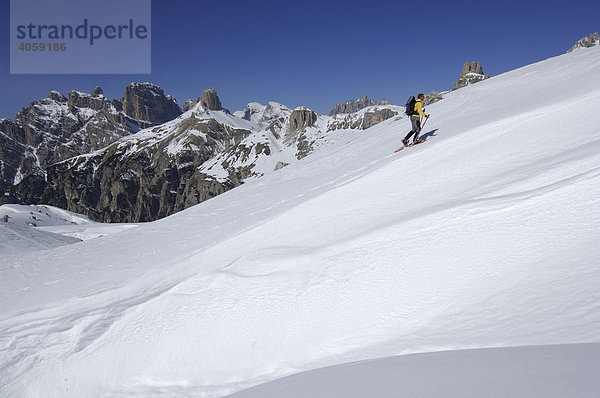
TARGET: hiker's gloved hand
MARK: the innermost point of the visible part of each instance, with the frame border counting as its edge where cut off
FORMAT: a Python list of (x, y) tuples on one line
[(427, 116)]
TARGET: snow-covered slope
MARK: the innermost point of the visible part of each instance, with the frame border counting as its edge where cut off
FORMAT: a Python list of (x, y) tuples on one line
[(21, 228), (39, 227), (484, 236), (39, 216)]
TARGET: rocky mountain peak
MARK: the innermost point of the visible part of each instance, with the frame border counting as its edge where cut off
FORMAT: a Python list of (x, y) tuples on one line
[(147, 102), (96, 92), (471, 67), (56, 96), (355, 105), (210, 100), (586, 42), (471, 73), (84, 100), (189, 104), (56, 128)]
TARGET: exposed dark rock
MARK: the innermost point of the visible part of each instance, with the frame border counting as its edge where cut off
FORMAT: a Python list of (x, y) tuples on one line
[(83, 100), (147, 103), (56, 96), (57, 128), (139, 179), (586, 42), (12, 152), (96, 92)]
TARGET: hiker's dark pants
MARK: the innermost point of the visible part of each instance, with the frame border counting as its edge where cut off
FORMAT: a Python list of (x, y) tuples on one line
[(416, 128)]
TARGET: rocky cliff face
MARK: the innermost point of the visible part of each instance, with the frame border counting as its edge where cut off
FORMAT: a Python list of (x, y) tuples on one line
[(58, 127), (210, 100), (362, 120), (15, 157), (471, 73), (300, 119), (351, 106), (148, 175), (432, 97), (147, 104), (586, 42), (141, 178)]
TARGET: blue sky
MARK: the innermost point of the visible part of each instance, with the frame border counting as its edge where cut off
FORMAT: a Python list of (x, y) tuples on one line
[(315, 53)]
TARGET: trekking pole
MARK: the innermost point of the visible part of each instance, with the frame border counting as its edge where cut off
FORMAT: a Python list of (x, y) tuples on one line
[(426, 119)]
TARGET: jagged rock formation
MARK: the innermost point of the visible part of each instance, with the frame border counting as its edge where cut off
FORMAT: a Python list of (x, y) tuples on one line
[(96, 92), (471, 73), (361, 120), (351, 106), (586, 42), (58, 127), (15, 157), (189, 104), (210, 100), (147, 104), (301, 118), (432, 97), (141, 178)]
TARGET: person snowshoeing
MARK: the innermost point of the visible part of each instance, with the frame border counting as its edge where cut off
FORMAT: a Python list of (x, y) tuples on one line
[(415, 119)]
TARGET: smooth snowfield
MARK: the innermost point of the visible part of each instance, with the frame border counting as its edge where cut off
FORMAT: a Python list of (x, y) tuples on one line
[(38, 227), (484, 236), (540, 371)]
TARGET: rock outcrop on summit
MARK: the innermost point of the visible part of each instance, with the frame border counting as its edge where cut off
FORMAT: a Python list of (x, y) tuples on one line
[(471, 73), (210, 100), (147, 104), (586, 42)]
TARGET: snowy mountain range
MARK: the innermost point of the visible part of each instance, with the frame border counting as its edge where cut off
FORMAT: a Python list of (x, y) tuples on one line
[(464, 266), (200, 154), (57, 127)]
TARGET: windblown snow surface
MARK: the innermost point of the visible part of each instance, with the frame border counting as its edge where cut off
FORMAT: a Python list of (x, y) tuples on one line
[(484, 236)]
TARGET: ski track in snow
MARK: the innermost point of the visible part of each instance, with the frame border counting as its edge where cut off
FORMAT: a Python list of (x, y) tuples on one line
[(484, 236)]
